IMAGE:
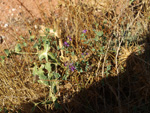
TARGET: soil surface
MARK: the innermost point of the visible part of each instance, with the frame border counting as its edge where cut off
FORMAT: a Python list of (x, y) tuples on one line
[(15, 14)]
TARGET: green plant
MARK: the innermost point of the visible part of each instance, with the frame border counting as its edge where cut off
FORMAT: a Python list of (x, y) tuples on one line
[(45, 67), (89, 52)]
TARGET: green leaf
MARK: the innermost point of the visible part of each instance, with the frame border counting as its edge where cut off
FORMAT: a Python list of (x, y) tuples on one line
[(94, 30), (32, 38), (72, 53), (57, 75), (93, 49), (39, 72), (35, 46), (44, 53), (22, 37), (35, 70), (2, 59), (63, 48), (81, 70), (50, 54), (5, 110), (54, 30), (42, 77), (30, 32), (85, 42), (99, 33), (82, 35), (7, 52), (67, 52), (18, 48), (131, 1), (58, 48), (47, 29), (51, 93), (105, 21), (83, 38), (96, 24), (24, 44), (50, 76), (48, 67), (96, 38), (66, 75), (54, 42), (54, 88)]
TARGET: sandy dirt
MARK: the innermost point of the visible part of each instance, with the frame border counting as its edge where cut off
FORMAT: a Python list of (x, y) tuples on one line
[(14, 14)]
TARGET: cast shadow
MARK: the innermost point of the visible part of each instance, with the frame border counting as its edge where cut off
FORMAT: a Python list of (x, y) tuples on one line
[(129, 92)]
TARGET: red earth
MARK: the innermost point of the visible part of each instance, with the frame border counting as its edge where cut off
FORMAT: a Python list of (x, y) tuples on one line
[(14, 14)]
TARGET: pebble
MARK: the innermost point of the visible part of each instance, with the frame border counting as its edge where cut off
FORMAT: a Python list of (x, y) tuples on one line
[(13, 9), (5, 25)]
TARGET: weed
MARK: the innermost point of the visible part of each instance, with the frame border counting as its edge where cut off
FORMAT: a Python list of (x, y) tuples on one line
[(76, 52)]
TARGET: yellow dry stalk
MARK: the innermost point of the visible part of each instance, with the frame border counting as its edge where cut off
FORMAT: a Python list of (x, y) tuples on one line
[(126, 52), (54, 31), (16, 87), (66, 59)]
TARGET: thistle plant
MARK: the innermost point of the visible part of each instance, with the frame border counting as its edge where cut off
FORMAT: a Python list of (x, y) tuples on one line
[(45, 69)]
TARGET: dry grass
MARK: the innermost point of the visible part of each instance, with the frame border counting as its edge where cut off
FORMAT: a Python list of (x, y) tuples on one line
[(122, 88)]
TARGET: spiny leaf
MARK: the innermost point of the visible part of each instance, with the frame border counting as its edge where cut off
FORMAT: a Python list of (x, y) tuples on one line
[(44, 53), (39, 72), (42, 76)]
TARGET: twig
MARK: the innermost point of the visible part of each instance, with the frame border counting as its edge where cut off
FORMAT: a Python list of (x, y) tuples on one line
[(117, 53), (103, 67), (25, 8)]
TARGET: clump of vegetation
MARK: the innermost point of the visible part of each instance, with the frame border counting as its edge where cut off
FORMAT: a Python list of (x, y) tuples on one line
[(88, 46)]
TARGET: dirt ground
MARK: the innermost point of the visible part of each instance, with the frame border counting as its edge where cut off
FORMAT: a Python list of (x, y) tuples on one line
[(14, 14)]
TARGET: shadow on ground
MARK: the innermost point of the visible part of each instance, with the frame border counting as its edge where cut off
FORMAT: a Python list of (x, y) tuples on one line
[(129, 92)]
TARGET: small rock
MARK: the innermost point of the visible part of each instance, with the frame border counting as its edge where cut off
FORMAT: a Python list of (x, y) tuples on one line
[(13, 9), (6, 25)]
